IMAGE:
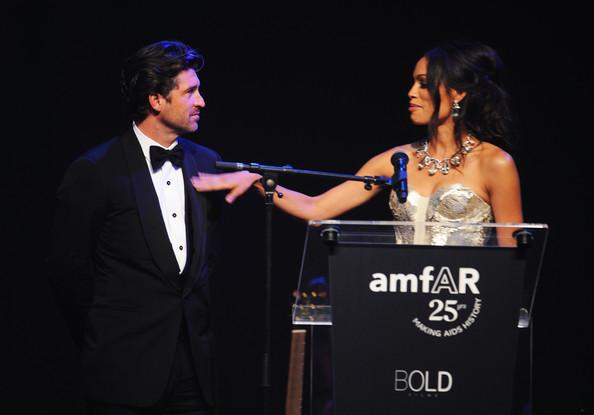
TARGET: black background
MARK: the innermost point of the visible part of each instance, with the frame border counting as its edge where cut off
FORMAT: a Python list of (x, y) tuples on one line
[(320, 86)]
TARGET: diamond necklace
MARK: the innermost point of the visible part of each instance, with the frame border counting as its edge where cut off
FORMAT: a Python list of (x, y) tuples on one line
[(443, 165)]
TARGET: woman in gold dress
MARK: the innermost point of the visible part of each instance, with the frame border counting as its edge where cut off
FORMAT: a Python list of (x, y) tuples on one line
[(459, 174)]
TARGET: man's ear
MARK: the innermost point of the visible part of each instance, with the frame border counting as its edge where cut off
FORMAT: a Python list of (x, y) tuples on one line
[(155, 101)]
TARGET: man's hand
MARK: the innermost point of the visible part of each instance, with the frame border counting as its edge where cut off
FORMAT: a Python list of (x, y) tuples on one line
[(237, 182)]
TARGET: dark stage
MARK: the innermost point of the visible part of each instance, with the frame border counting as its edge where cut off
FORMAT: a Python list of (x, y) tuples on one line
[(320, 86)]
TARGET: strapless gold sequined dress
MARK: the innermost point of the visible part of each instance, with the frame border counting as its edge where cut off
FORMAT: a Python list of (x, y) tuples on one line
[(449, 204)]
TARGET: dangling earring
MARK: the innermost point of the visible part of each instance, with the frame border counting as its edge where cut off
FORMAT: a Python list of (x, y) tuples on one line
[(456, 109)]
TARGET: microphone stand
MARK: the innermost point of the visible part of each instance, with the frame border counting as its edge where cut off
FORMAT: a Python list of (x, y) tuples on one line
[(269, 180), (263, 169), (270, 175)]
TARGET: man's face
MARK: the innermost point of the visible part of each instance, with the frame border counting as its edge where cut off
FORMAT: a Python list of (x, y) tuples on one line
[(180, 111)]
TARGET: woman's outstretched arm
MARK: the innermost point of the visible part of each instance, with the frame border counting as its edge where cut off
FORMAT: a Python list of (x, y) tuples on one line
[(329, 204)]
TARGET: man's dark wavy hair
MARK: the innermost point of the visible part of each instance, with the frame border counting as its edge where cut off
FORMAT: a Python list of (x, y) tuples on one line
[(152, 70), (475, 68)]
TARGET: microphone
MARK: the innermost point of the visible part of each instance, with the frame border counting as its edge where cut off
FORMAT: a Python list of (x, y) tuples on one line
[(253, 167), (399, 179), (226, 165)]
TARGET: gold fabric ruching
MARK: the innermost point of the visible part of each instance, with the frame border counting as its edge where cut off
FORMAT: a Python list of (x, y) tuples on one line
[(450, 204)]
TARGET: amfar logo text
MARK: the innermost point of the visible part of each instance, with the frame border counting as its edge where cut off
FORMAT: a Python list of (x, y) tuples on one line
[(426, 282), (422, 381)]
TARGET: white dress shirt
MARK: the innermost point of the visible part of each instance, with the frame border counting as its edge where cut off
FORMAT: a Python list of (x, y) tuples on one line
[(169, 185)]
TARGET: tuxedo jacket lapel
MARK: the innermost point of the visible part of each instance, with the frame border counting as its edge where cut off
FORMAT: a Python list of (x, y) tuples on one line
[(197, 208), (149, 209)]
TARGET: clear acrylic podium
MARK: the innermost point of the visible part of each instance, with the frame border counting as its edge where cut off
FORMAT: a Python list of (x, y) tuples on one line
[(419, 318)]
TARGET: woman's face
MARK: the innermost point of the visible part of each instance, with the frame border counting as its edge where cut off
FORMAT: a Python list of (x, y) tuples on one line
[(421, 105)]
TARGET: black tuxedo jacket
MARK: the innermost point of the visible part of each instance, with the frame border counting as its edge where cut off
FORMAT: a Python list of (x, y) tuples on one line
[(111, 241)]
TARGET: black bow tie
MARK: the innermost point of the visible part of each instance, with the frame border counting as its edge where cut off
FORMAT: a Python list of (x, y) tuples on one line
[(159, 155)]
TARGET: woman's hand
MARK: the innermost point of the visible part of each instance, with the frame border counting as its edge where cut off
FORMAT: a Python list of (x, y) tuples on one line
[(237, 182)]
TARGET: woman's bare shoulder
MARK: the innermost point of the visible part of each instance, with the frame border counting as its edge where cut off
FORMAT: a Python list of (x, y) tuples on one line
[(381, 165), (409, 149), (494, 158), (383, 159)]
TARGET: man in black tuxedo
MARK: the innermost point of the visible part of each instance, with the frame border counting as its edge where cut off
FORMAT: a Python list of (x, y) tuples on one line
[(139, 243)]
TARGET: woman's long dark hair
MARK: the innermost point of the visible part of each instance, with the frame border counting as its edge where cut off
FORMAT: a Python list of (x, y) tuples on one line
[(477, 69)]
